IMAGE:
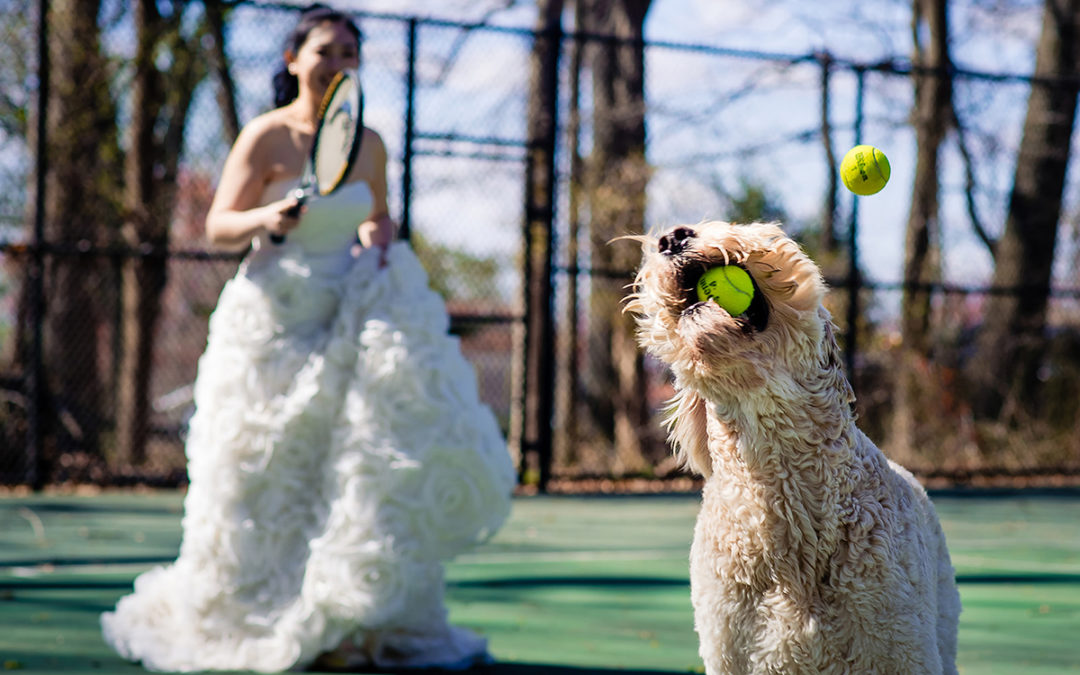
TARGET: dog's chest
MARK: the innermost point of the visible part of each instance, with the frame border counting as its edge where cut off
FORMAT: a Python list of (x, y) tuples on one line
[(733, 534), (752, 534)]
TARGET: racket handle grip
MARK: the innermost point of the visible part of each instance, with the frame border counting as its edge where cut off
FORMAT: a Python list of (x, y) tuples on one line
[(292, 212)]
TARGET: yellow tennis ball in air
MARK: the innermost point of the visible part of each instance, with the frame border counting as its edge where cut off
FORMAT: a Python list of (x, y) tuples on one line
[(728, 286), (865, 170)]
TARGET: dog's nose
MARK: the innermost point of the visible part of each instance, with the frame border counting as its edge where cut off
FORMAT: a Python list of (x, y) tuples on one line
[(674, 242)]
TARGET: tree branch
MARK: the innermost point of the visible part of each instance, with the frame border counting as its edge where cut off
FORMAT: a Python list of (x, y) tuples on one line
[(969, 185)]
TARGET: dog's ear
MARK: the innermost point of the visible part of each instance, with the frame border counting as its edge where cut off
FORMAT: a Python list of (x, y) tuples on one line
[(829, 355), (784, 271), (831, 361), (686, 423)]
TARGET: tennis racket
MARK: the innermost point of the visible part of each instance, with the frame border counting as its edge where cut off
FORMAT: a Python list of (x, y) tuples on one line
[(336, 144)]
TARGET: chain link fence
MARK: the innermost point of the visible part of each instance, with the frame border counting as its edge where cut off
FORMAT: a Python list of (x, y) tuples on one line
[(731, 135)]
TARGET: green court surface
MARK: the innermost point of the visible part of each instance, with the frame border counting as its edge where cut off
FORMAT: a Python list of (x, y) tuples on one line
[(571, 585)]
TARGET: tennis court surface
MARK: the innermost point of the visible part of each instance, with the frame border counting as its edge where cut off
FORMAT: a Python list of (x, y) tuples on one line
[(571, 585)]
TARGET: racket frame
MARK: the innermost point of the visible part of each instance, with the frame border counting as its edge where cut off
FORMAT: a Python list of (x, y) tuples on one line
[(309, 181)]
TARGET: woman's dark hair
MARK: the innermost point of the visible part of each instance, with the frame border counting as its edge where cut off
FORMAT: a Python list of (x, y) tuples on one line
[(286, 86)]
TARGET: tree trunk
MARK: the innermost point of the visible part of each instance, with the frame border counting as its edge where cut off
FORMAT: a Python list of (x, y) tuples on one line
[(142, 277), (538, 398), (215, 19), (922, 257), (159, 101), (1011, 339), (933, 99), (81, 138), (827, 241), (618, 176)]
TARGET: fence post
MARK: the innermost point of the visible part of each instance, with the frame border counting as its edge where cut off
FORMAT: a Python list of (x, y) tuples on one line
[(854, 281), (539, 348), (410, 131)]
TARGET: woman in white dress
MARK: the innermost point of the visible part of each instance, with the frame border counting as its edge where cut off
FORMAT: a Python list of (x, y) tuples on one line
[(339, 453)]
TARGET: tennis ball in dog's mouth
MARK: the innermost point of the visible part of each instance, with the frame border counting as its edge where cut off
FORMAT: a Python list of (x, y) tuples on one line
[(728, 286), (865, 170)]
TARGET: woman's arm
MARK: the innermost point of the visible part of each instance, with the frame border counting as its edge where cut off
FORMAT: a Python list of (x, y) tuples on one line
[(235, 216), (379, 228)]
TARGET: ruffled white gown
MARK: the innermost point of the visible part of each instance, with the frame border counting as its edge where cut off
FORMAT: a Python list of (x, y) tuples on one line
[(338, 455)]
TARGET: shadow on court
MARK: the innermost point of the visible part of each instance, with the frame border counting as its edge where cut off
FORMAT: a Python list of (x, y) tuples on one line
[(523, 669), (589, 582), (38, 663), (551, 669), (65, 663)]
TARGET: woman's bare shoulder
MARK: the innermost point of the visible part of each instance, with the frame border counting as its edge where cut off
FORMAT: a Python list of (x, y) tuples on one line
[(372, 136), (262, 140), (273, 123), (374, 143)]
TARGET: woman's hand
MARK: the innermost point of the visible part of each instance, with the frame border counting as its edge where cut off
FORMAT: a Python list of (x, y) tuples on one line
[(378, 233), (282, 216)]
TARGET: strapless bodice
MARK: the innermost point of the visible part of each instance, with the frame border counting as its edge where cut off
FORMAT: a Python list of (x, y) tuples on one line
[(329, 222)]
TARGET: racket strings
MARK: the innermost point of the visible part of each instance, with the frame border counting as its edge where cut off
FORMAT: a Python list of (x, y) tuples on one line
[(337, 142)]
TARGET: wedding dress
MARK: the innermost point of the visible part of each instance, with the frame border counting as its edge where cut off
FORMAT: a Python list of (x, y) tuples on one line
[(338, 456)]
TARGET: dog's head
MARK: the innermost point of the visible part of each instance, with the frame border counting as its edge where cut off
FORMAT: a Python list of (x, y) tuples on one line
[(783, 340)]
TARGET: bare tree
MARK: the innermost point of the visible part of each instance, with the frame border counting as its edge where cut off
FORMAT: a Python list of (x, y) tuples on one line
[(827, 240), (1012, 337), (922, 255), (931, 115), (219, 63), (160, 100), (617, 179), (82, 192)]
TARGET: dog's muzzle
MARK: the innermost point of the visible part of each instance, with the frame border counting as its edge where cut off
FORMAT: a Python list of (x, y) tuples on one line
[(677, 247)]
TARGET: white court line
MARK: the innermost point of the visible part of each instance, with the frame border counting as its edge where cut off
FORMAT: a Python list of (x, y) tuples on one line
[(1014, 565), (35, 523)]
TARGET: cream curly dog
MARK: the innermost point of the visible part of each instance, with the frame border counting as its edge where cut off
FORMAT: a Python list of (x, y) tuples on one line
[(812, 553)]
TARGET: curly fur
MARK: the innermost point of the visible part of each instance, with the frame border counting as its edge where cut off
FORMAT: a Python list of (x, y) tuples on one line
[(812, 553)]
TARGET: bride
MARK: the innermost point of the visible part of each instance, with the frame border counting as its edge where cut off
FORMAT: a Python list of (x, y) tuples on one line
[(339, 453)]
